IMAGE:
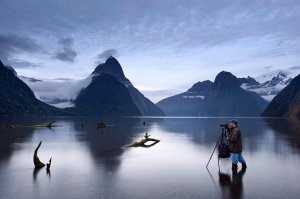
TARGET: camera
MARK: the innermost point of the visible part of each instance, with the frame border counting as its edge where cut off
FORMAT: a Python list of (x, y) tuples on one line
[(225, 126)]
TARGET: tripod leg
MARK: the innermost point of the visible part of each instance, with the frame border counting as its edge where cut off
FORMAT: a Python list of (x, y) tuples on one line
[(213, 151)]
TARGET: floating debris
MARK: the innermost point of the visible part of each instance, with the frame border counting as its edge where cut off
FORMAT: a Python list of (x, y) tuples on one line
[(142, 142), (101, 126)]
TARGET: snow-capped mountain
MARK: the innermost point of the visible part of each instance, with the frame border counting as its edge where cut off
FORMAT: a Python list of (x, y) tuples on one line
[(267, 85), (286, 103)]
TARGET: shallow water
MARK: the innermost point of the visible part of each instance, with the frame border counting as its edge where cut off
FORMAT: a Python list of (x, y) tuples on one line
[(88, 163)]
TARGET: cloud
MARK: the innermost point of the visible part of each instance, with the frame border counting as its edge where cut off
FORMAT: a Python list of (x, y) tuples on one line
[(106, 54), (57, 92), (13, 44), (19, 63), (243, 35), (268, 67), (66, 52), (294, 68)]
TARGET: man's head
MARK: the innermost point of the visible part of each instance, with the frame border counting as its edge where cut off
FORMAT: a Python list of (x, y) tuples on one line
[(233, 123)]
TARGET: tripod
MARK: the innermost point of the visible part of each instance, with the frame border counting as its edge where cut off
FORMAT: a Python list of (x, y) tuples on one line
[(220, 138)]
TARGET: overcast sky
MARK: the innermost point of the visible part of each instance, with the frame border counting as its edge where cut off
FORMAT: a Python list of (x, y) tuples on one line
[(164, 46)]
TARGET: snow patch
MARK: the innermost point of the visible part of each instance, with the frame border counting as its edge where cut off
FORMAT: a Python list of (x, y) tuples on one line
[(194, 96)]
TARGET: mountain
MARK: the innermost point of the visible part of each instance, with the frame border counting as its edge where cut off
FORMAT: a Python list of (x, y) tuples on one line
[(16, 98), (227, 98), (268, 85), (105, 95), (287, 102), (188, 103), (112, 67)]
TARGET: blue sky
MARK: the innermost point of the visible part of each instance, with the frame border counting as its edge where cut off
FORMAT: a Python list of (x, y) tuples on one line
[(164, 46)]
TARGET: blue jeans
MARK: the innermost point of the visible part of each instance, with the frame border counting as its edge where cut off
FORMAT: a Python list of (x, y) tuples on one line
[(237, 157)]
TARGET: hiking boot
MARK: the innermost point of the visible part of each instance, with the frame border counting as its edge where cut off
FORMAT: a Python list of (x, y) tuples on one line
[(234, 167), (244, 166)]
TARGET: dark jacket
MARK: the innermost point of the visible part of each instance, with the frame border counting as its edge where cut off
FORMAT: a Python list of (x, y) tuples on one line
[(235, 140)]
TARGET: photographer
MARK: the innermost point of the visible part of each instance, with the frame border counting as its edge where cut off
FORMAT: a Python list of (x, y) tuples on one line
[(235, 145)]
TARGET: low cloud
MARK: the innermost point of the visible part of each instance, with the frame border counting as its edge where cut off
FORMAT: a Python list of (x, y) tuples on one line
[(58, 92), (102, 57), (66, 52), (19, 63)]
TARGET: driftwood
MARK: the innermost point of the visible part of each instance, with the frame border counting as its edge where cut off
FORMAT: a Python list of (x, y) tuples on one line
[(142, 142), (36, 160), (49, 125)]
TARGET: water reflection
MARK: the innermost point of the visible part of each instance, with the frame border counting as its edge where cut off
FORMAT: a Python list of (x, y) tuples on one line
[(35, 173), (287, 129), (232, 187), (107, 146), (91, 164), (48, 172)]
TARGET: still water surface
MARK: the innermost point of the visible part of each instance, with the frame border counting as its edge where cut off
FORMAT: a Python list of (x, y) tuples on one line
[(88, 163)]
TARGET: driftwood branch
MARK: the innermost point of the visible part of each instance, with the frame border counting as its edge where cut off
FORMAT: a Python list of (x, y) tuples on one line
[(36, 160), (49, 125), (142, 143)]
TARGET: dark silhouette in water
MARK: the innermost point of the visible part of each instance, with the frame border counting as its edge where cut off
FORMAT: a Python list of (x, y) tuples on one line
[(232, 188), (49, 164), (38, 165), (36, 160), (101, 126), (48, 168), (144, 123)]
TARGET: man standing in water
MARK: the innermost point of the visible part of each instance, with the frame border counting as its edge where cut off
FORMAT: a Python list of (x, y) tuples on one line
[(235, 145)]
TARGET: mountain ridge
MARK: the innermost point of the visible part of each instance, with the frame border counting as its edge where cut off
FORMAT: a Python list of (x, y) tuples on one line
[(186, 103)]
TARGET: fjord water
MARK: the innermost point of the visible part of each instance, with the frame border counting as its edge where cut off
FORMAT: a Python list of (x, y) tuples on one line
[(88, 163)]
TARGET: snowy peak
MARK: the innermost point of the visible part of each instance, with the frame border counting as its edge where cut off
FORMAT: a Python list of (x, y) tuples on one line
[(280, 79), (268, 85), (286, 103)]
